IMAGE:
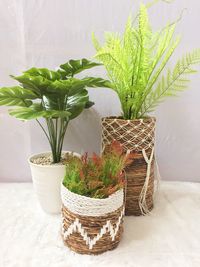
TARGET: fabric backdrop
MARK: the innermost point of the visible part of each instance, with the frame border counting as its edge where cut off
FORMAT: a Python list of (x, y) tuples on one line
[(46, 33)]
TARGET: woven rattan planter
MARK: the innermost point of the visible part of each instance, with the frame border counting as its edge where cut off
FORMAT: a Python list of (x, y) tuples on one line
[(91, 226), (137, 136)]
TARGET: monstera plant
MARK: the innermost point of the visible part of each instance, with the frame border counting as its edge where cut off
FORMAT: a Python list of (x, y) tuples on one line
[(57, 96)]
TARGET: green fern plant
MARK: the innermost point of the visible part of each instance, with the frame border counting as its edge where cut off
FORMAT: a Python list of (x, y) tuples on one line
[(56, 96), (135, 63)]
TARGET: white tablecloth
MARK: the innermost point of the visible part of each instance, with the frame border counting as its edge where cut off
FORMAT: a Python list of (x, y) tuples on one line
[(169, 237)]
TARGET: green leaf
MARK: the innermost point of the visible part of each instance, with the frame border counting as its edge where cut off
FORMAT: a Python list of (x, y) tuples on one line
[(89, 104), (67, 87), (135, 62), (37, 84), (173, 83), (59, 87), (96, 82), (16, 96), (32, 113), (56, 91), (59, 93), (76, 66), (77, 103), (45, 73)]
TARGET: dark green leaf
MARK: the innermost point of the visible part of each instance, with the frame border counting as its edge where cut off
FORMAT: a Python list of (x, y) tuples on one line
[(77, 103), (89, 104), (56, 91), (66, 87), (36, 84)]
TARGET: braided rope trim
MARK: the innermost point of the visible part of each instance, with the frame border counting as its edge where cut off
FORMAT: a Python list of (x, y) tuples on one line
[(76, 226), (87, 206)]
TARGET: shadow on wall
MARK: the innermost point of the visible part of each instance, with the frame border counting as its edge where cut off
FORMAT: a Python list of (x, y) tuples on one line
[(84, 133)]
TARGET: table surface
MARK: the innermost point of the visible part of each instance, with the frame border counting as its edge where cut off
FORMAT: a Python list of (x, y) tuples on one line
[(169, 237)]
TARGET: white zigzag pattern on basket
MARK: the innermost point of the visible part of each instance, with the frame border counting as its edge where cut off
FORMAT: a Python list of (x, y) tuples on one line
[(76, 226)]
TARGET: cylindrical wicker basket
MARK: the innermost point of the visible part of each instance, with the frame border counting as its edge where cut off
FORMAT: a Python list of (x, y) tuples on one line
[(89, 225), (137, 136)]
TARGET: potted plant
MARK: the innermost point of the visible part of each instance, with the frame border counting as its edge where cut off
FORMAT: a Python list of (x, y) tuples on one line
[(135, 62), (92, 196), (57, 97)]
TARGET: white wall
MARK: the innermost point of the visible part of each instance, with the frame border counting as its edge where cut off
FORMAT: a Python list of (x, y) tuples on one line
[(46, 33)]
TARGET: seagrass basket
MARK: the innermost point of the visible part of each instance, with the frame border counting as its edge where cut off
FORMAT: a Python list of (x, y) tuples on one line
[(89, 225), (136, 136)]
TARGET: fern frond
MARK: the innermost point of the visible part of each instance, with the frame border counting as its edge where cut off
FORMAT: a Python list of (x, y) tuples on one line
[(174, 82), (136, 60)]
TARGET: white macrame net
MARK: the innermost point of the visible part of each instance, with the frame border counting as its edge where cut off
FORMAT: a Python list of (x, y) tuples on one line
[(135, 135)]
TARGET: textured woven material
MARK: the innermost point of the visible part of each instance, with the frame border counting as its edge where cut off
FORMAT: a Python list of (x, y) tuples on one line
[(92, 234), (133, 134), (137, 136)]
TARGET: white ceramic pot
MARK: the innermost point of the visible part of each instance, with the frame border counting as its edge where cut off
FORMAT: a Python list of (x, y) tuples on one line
[(47, 182)]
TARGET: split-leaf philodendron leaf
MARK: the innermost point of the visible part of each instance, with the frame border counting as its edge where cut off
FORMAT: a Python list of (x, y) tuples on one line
[(57, 96)]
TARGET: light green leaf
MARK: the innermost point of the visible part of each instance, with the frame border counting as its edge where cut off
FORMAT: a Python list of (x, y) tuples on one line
[(45, 73), (16, 96), (136, 60), (96, 82), (174, 82), (75, 66), (31, 113)]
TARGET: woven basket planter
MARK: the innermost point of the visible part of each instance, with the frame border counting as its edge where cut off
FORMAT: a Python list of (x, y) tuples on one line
[(92, 226), (137, 136)]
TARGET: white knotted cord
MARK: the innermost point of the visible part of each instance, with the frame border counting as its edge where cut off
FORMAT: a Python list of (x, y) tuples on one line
[(142, 198), (157, 180), (134, 137), (137, 135)]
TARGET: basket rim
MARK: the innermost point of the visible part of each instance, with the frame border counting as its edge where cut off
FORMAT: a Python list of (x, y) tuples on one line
[(92, 198), (87, 206), (120, 118)]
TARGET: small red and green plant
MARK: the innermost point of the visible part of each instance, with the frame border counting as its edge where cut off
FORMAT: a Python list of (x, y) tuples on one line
[(97, 177)]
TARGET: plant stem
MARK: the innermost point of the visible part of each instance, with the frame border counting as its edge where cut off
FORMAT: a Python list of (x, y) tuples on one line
[(52, 142), (64, 128), (43, 130), (57, 129)]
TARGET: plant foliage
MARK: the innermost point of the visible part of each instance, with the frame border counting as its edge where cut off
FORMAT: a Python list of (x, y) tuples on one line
[(97, 177), (56, 96), (135, 63)]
